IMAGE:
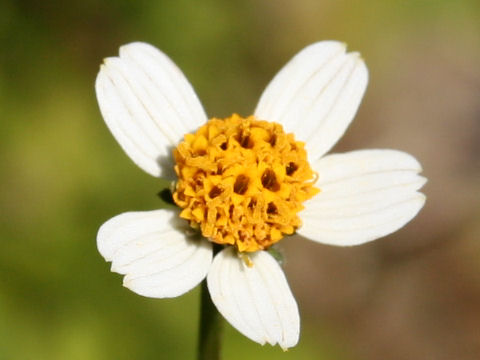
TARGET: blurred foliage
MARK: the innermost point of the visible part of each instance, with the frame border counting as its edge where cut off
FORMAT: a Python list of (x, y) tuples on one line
[(63, 175)]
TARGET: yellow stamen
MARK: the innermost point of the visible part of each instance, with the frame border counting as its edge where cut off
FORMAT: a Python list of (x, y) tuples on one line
[(246, 260), (243, 181)]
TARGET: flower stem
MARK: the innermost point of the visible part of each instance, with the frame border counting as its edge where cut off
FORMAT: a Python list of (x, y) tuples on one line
[(211, 326)]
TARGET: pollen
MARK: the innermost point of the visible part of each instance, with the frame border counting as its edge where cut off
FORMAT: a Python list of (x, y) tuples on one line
[(242, 182)]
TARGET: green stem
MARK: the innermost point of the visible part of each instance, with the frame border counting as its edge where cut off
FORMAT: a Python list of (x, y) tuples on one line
[(211, 326)]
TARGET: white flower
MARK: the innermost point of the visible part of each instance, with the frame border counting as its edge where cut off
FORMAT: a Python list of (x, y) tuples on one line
[(149, 106)]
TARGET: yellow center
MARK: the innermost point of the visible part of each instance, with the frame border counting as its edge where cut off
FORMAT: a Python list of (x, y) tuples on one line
[(242, 181)]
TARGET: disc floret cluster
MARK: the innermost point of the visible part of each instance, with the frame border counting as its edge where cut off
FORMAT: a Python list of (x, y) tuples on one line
[(242, 181)]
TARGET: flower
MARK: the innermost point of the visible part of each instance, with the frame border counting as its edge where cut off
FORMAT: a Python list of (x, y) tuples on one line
[(245, 183)]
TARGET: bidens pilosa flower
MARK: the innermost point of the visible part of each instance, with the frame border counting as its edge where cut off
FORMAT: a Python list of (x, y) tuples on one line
[(245, 183)]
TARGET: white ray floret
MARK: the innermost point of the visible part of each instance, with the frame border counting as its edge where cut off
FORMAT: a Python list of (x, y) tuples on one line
[(364, 195), (154, 254), (256, 300), (148, 105), (316, 95)]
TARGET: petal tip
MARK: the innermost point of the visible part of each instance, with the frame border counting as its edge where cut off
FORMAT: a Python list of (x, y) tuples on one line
[(325, 44), (137, 46), (422, 198)]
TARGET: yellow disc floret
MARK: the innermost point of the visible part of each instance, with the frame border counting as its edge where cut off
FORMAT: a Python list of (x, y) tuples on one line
[(242, 181)]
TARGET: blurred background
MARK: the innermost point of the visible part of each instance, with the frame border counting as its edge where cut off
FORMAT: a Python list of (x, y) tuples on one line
[(412, 295)]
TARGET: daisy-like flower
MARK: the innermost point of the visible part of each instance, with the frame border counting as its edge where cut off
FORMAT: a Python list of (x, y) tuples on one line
[(245, 183)]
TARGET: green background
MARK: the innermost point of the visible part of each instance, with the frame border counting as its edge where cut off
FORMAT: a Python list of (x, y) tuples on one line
[(414, 294)]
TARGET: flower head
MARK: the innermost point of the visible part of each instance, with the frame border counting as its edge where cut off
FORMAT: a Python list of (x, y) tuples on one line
[(245, 183)]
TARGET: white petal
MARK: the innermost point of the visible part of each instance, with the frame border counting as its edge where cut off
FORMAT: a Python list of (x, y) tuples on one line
[(363, 195), (151, 249), (316, 95), (255, 300), (148, 105)]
